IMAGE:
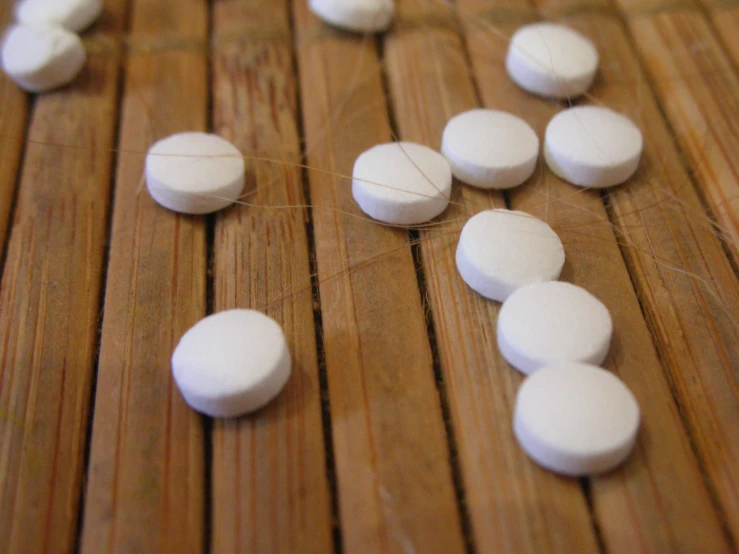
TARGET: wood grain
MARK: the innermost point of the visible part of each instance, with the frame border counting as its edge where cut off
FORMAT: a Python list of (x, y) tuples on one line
[(270, 492), (726, 22), (688, 289), (49, 304), (719, 5), (698, 89), (395, 487), (659, 494), (146, 477), (13, 132), (514, 506)]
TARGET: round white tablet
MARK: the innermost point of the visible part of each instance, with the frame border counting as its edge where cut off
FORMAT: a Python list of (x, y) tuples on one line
[(551, 60), (576, 419), (42, 57), (231, 363), (363, 16), (490, 149), (194, 173), (73, 15), (547, 323), (402, 183), (590, 146), (500, 251)]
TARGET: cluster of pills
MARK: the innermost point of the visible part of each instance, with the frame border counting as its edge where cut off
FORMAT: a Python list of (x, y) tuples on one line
[(571, 416), (42, 51)]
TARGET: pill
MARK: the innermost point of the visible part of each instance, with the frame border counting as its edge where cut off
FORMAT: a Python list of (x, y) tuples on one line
[(73, 15), (231, 363), (590, 146), (490, 149), (362, 16), (42, 57), (194, 173), (551, 60), (402, 183), (500, 251), (547, 323), (576, 419)]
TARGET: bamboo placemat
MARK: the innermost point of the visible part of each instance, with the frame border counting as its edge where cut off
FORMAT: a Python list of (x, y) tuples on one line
[(394, 432)]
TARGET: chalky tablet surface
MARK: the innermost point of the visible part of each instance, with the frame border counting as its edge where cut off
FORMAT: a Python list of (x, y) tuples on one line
[(500, 251), (576, 419), (40, 58), (551, 60), (231, 363), (194, 173), (74, 15), (548, 323), (402, 183), (590, 146), (490, 149), (364, 16)]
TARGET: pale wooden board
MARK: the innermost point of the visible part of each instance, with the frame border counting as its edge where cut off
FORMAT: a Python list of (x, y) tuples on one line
[(505, 493), (146, 483), (270, 492), (49, 303)]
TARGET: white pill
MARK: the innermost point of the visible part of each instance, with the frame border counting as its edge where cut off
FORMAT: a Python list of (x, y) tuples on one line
[(490, 149), (551, 60), (548, 323), (402, 183), (576, 419), (42, 57), (194, 173), (231, 363), (362, 16), (73, 15), (590, 146), (500, 251)]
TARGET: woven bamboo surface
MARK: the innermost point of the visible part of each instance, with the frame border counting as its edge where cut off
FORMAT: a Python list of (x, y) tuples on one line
[(394, 431)]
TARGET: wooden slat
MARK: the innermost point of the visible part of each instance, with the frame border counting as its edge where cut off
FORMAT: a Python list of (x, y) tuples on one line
[(13, 114), (726, 22), (658, 501), (719, 5), (663, 216), (395, 488), (514, 506), (698, 89), (270, 492), (49, 304), (146, 477)]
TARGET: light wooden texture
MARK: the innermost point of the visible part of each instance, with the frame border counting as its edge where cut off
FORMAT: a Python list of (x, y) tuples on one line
[(514, 506), (394, 432), (146, 483), (49, 304), (270, 492), (726, 22), (12, 134), (698, 89), (395, 487), (716, 6), (703, 364), (669, 508), (660, 488)]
